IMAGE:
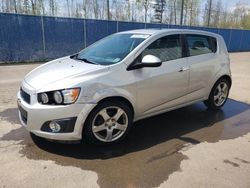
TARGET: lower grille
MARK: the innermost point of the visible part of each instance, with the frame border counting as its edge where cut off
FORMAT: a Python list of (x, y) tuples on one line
[(23, 113)]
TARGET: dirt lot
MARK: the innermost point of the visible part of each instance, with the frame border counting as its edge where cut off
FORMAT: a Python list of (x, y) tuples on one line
[(189, 147)]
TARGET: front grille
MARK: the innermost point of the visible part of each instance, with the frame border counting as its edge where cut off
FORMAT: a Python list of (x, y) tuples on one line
[(25, 96), (23, 113)]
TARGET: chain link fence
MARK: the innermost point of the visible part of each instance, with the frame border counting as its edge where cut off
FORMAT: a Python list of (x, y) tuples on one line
[(41, 38), (209, 13)]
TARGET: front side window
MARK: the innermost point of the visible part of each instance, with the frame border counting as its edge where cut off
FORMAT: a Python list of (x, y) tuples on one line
[(166, 48), (200, 44), (112, 49)]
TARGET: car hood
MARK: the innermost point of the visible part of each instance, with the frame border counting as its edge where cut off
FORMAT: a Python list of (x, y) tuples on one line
[(57, 70)]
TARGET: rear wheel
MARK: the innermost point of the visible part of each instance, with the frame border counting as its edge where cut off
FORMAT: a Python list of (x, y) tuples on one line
[(109, 122), (219, 94)]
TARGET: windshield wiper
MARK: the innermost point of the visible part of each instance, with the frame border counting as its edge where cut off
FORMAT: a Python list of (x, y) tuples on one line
[(75, 56), (88, 61)]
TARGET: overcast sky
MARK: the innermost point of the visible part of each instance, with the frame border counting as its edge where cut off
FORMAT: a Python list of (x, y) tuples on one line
[(231, 3)]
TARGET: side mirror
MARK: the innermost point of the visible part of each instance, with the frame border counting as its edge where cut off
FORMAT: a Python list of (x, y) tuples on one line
[(151, 61), (147, 61)]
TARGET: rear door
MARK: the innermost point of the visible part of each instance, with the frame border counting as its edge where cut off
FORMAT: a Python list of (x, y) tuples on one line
[(202, 62)]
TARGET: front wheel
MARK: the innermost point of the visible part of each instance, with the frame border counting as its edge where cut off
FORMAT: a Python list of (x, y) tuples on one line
[(219, 94), (109, 122)]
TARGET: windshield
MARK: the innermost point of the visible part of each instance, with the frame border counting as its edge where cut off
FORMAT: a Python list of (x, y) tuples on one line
[(112, 49)]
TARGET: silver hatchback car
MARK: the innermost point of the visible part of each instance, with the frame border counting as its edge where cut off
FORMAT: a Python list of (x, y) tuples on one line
[(98, 93)]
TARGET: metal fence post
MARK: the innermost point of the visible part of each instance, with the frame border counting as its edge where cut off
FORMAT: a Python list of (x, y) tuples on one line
[(229, 42), (85, 33), (241, 40), (117, 26), (43, 38)]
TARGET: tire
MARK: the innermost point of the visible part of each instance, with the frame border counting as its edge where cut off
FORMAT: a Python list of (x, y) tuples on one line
[(109, 122), (217, 98)]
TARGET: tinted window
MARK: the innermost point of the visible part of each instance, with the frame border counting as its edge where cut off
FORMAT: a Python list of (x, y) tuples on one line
[(213, 44), (166, 48), (200, 44)]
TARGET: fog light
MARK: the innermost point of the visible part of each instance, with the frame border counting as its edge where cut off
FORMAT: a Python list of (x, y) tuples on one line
[(55, 127)]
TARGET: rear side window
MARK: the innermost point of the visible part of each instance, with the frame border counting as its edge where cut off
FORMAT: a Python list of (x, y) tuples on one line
[(213, 42), (166, 48), (201, 44)]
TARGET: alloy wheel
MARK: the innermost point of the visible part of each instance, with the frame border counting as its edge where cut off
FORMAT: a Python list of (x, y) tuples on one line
[(221, 93), (110, 124)]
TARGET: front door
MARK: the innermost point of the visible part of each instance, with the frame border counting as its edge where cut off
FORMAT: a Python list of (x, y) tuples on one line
[(163, 87)]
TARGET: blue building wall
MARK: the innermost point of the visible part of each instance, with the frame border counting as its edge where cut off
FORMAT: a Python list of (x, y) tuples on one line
[(38, 38)]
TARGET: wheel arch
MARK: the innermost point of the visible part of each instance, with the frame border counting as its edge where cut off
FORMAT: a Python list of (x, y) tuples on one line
[(120, 99), (223, 76), (227, 77), (210, 98)]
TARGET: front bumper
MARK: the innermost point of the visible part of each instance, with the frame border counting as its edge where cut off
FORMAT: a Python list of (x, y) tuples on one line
[(37, 114)]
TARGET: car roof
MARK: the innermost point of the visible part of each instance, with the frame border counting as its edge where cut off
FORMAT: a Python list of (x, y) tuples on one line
[(162, 31)]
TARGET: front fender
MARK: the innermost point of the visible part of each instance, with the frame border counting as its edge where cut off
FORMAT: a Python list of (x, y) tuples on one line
[(115, 92)]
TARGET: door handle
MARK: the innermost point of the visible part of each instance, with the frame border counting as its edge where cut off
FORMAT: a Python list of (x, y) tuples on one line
[(182, 69)]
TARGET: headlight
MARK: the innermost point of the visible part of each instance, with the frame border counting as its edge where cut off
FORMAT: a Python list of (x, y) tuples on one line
[(70, 95), (66, 96), (44, 98), (58, 97)]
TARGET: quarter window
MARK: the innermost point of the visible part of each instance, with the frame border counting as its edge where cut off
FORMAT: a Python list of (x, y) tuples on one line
[(166, 48), (200, 44)]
